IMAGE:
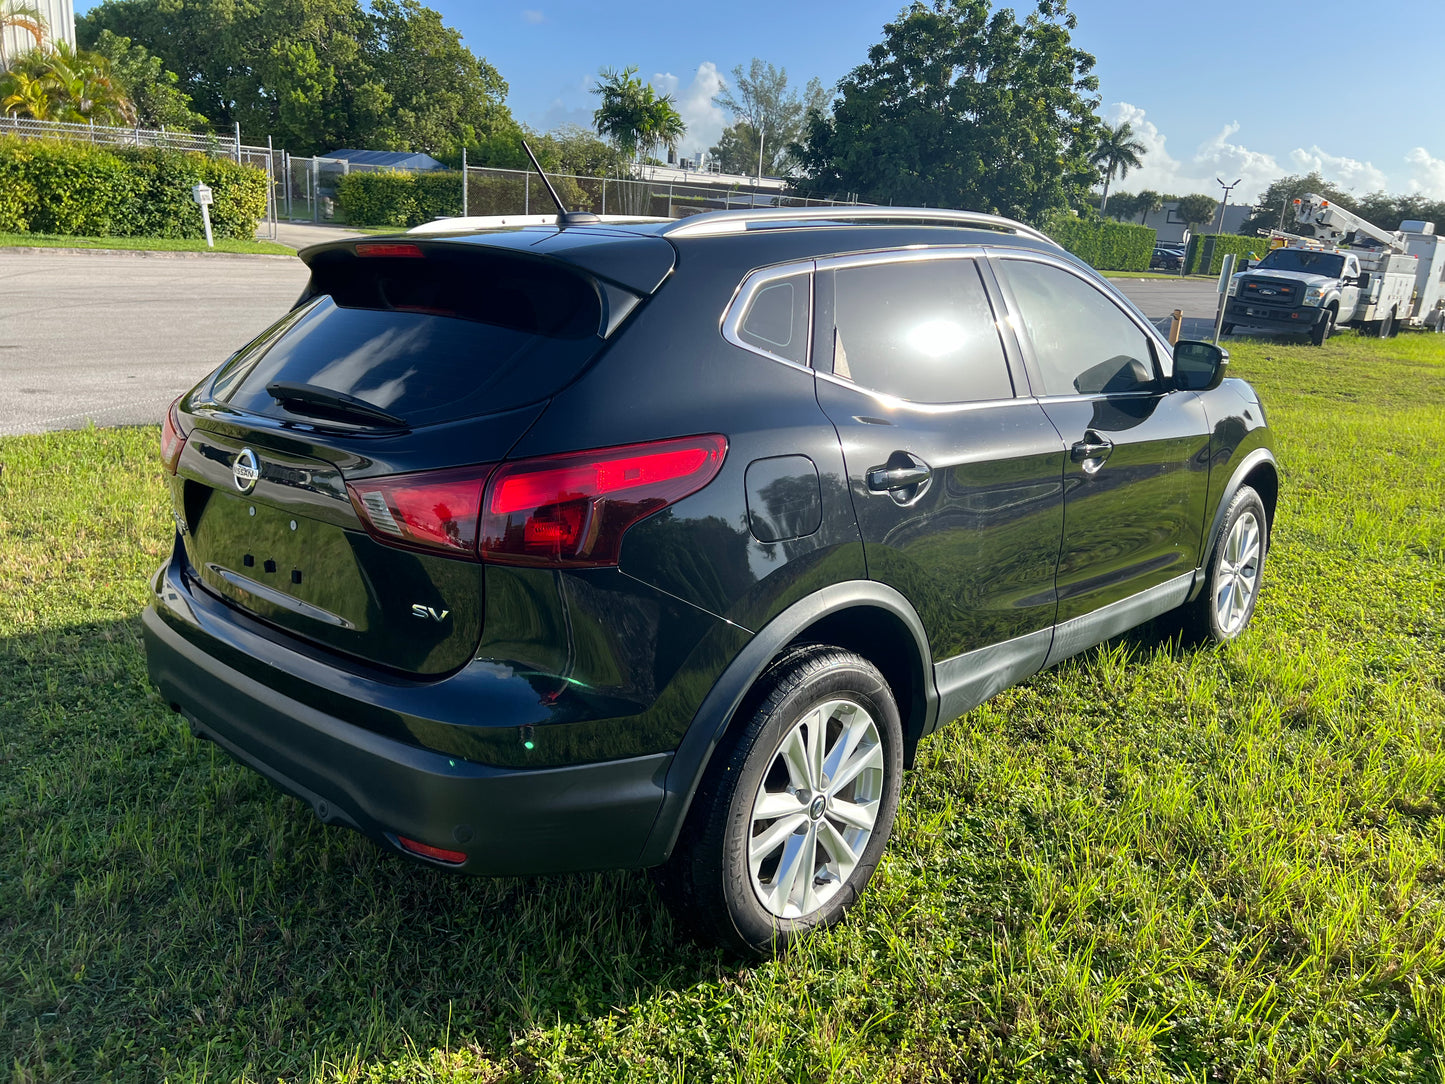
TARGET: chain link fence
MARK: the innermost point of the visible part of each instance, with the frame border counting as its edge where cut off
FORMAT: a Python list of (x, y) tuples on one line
[(308, 188)]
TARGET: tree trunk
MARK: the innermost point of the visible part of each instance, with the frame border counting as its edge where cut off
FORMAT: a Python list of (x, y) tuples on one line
[(1105, 201)]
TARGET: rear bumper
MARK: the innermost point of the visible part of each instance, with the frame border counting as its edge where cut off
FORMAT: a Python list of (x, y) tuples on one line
[(505, 821)]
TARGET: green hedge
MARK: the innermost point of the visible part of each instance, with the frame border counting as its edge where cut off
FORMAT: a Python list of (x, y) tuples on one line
[(76, 189), (393, 198), (1207, 251), (1107, 246)]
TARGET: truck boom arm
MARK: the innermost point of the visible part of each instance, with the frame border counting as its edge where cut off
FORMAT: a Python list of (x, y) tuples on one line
[(1335, 225)]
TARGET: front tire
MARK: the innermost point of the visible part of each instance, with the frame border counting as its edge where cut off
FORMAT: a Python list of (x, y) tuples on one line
[(1324, 327), (793, 814), (1234, 573)]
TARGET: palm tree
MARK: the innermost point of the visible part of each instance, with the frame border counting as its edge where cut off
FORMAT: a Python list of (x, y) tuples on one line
[(1148, 202), (64, 84), (1118, 151), (632, 115), (18, 16)]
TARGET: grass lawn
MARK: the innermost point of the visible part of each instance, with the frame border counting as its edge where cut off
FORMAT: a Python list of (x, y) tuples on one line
[(141, 244), (1146, 864)]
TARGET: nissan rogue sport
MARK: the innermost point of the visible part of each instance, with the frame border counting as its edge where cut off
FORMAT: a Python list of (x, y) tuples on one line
[(663, 544)]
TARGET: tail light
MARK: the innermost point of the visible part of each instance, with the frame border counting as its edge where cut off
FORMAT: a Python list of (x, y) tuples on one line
[(173, 437), (563, 511), (435, 511), (572, 510)]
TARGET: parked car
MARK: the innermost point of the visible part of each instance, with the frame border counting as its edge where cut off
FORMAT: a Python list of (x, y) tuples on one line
[(1167, 258), (664, 544)]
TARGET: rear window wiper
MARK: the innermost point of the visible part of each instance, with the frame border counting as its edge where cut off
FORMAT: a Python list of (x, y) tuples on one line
[(332, 403)]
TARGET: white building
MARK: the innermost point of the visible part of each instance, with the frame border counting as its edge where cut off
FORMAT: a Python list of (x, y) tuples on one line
[(1171, 227)]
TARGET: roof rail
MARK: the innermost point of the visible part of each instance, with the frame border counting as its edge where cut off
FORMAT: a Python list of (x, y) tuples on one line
[(721, 222)]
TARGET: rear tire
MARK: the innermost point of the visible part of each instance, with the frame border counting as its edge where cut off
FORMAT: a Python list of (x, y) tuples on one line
[(1226, 329), (1387, 326), (822, 752), (1233, 576)]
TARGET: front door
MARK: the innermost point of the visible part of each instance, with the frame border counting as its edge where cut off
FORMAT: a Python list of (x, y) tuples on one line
[(1137, 468)]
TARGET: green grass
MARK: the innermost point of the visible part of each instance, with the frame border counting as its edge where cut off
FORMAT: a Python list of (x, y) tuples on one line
[(1146, 864), (142, 244)]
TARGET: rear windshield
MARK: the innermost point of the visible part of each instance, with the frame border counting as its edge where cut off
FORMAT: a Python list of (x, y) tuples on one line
[(428, 340)]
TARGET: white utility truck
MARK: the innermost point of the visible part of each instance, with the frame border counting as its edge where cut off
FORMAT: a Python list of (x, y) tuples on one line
[(1343, 271)]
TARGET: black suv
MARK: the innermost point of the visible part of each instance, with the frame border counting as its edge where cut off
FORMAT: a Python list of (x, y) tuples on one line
[(652, 544)]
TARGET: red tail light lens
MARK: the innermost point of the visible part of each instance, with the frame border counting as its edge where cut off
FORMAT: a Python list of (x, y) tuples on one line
[(173, 437), (434, 511), (572, 510)]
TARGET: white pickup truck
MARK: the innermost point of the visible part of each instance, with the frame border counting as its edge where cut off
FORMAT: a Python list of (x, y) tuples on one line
[(1315, 290)]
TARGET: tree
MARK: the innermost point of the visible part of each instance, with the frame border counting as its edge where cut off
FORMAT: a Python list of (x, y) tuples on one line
[(1146, 203), (23, 17), (761, 104), (632, 114), (960, 107), (64, 84), (156, 94), (1117, 150), (442, 95), (1196, 210), (318, 74)]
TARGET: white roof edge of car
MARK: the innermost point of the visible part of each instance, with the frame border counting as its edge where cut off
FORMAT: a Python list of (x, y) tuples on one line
[(493, 222), (723, 222)]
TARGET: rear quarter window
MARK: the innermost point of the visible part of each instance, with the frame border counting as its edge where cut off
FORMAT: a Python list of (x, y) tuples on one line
[(430, 340)]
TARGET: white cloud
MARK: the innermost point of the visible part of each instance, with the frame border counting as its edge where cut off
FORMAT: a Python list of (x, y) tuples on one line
[(1349, 173), (1220, 157), (1215, 158), (534, 17), (1427, 174), (704, 120)]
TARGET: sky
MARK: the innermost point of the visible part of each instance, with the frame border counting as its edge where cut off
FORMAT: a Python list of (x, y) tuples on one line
[(1213, 91), (1234, 89)]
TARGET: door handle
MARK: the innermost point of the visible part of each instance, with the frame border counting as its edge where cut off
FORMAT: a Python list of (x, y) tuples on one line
[(1093, 446), (887, 479)]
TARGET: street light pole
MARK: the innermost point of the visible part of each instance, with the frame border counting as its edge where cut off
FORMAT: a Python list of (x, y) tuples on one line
[(1228, 188), (762, 135)]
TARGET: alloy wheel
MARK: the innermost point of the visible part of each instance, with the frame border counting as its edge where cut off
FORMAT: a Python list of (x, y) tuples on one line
[(1237, 579), (815, 809)]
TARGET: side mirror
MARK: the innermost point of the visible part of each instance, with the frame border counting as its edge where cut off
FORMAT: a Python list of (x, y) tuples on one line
[(1198, 366)]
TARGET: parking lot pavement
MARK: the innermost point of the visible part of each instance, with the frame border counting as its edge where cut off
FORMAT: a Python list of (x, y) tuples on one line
[(113, 337)]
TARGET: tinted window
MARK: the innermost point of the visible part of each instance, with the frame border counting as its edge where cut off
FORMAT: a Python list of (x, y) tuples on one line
[(777, 319), (429, 340), (1083, 342), (921, 331)]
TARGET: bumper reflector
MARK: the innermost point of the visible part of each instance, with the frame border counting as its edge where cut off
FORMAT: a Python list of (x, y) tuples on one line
[(456, 858)]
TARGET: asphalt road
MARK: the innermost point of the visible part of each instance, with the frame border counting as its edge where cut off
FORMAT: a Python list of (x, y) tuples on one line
[(111, 338)]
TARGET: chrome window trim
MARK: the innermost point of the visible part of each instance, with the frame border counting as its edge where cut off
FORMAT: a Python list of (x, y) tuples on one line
[(892, 402), (737, 307), (910, 254), (1163, 350)]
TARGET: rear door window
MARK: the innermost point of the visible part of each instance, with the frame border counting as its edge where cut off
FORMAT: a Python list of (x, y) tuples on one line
[(432, 339), (919, 330)]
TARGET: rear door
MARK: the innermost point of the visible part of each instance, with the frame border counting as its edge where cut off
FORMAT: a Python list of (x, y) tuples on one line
[(956, 479), (332, 478), (1137, 470)]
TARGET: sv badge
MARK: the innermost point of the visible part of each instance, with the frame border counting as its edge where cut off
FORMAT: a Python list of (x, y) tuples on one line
[(427, 613)]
